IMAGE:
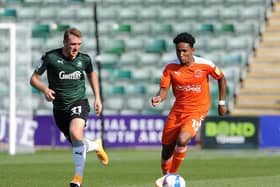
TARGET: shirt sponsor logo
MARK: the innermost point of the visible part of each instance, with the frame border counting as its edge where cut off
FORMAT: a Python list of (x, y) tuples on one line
[(197, 73), (177, 72), (71, 76), (189, 88)]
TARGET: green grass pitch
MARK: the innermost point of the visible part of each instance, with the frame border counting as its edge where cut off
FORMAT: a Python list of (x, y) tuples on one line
[(140, 168)]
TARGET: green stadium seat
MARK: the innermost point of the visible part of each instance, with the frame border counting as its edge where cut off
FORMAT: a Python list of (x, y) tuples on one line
[(40, 31), (155, 46), (110, 90), (109, 61), (205, 28), (226, 28), (162, 28), (114, 46), (122, 28), (122, 74), (59, 28), (6, 12)]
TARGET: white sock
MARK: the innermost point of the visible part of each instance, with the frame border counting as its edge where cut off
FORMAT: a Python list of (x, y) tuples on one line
[(90, 145), (79, 156)]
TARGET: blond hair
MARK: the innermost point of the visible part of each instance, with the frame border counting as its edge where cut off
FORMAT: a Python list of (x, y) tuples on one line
[(72, 31)]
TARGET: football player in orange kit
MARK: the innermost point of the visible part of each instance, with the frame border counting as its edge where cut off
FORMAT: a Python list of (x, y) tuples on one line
[(189, 77)]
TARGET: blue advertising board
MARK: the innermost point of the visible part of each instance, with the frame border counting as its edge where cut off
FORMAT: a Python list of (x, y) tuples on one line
[(269, 131)]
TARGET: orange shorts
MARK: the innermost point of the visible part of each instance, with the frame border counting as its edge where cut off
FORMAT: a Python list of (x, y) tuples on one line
[(181, 122)]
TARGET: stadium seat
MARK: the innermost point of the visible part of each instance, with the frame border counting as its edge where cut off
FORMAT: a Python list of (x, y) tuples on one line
[(169, 14), (190, 13), (194, 3), (121, 74), (229, 14), (106, 13), (155, 46), (126, 14), (110, 90), (114, 46), (26, 13), (230, 3), (115, 103), (217, 44), (162, 28), (122, 28), (140, 74), (86, 14), (151, 111), (226, 28), (40, 31), (47, 13), (7, 14), (151, 59), (135, 89), (150, 14), (129, 112), (210, 14), (128, 59), (204, 28), (135, 103)]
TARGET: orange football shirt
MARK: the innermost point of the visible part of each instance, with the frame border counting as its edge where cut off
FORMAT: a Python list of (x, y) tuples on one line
[(190, 84)]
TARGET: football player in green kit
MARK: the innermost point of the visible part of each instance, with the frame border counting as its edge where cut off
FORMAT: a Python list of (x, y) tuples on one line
[(65, 72)]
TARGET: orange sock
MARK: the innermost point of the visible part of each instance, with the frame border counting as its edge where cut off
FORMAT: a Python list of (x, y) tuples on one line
[(166, 165), (178, 157)]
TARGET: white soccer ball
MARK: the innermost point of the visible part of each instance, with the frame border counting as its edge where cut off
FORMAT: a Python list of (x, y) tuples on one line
[(173, 180)]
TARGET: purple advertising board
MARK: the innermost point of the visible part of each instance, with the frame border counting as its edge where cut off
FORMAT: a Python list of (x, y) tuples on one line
[(119, 131)]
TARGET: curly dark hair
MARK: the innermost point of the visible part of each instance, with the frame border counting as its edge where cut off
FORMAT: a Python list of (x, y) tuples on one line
[(184, 37)]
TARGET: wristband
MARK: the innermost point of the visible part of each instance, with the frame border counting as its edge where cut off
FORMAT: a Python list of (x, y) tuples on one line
[(222, 102)]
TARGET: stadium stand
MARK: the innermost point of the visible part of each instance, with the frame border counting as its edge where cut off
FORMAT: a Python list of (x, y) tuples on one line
[(260, 91), (136, 42)]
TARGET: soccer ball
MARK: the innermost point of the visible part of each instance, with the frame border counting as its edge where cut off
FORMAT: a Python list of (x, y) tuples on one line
[(173, 180)]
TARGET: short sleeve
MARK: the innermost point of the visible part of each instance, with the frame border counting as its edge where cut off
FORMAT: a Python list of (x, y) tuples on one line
[(216, 73), (89, 67), (41, 65), (165, 78)]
